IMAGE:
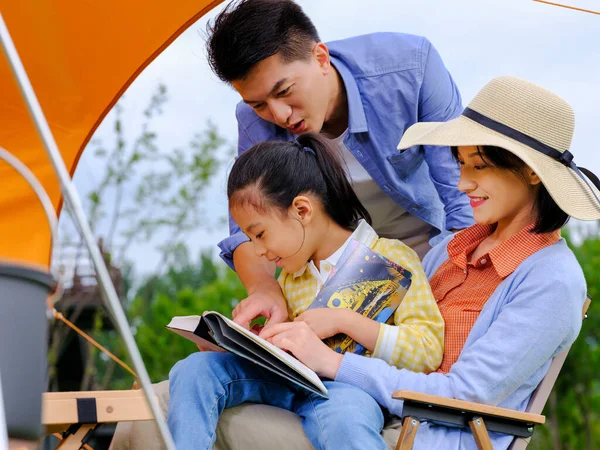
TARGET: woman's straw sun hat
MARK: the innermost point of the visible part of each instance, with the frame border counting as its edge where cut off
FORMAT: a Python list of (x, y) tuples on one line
[(529, 121)]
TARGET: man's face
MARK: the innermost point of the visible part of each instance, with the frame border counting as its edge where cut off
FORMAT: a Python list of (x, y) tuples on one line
[(292, 95)]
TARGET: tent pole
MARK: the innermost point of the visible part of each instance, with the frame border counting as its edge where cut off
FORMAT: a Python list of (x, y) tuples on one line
[(74, 203), (3, 431)]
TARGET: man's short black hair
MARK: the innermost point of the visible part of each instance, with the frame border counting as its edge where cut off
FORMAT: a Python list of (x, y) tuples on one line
[(248, 31)]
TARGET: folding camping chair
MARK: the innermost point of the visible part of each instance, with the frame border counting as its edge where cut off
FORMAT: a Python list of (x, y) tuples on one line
[(478, 417)]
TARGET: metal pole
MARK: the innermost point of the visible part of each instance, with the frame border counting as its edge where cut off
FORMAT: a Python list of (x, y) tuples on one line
[(73, 202), (3, 430)]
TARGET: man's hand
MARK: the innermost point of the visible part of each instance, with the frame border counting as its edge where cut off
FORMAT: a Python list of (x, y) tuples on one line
[(265, 302), (305, 345), (264, 294), (325, 322)]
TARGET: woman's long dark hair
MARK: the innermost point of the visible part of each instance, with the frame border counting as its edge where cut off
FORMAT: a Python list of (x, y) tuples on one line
[(273, 173)]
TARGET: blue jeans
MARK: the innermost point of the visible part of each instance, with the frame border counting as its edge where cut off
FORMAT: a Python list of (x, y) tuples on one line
[(205, 383)]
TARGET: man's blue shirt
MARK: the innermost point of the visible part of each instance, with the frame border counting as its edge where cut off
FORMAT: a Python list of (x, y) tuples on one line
[(392, 81)]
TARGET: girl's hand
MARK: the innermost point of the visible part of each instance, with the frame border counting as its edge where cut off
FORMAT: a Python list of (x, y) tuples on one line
[(299, 339), (325, 322)]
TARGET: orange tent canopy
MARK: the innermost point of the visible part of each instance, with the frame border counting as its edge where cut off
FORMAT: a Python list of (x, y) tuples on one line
[(80, 56)]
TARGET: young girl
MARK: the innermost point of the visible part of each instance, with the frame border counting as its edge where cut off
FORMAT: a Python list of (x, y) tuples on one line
[(293, 200)]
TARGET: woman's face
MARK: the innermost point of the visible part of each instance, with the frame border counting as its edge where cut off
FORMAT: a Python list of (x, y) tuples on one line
[(497, 195)]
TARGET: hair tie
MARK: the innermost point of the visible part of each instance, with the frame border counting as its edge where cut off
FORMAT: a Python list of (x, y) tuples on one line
[(305, 148)]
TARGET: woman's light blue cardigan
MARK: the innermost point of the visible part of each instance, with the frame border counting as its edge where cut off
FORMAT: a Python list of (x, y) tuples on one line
[(534, 314)]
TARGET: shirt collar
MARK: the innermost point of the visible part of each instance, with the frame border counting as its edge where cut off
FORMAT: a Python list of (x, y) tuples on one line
[(357, 119), (364, 234), (504, 258)]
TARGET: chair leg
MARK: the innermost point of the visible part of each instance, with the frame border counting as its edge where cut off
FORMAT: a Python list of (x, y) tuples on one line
[(74, 441), (60, 438), (480, 433), (408, 433)]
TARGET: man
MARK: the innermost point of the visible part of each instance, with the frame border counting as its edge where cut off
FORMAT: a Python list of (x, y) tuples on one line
[(363, 92)]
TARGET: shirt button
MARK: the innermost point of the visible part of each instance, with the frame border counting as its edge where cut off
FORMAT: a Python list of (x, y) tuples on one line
[(465, 271), (483, 260)]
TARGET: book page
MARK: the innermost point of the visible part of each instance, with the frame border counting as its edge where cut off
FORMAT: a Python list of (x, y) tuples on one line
[(188, 323), (197, 340), (286, 358), (243, 346), (195, 330)]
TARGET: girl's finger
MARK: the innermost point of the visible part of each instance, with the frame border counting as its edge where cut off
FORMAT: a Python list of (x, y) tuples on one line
[(291, 335), (271, 330), (288, 343)]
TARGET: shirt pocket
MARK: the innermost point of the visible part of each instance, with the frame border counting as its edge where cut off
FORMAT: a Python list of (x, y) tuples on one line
[(407, 162)]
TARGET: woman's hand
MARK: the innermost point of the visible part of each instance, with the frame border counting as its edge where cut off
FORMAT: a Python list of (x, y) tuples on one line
[(299, 339), (325, 322)]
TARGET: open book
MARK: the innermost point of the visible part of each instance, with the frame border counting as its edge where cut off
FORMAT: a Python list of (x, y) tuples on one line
[(216, 332)]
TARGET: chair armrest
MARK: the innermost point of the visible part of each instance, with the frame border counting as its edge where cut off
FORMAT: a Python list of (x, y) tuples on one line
[(450, 412), (61, 409), (469, 407)]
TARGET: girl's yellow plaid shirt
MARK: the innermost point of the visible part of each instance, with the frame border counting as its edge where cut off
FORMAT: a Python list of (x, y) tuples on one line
[(414, 339)]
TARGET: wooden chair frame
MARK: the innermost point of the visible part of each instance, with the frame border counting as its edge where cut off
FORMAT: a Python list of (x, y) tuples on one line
[(478, 417), (73, 416)]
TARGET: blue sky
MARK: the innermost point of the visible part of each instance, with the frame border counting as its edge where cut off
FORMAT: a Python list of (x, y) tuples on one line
[(478, 40)]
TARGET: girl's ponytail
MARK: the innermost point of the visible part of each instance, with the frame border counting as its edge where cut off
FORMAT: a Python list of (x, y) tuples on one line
[(273, 173), (341, 203)]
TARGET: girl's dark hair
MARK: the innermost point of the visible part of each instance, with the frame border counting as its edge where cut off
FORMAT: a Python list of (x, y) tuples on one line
[(273, 173), (549, 215), (249, 31)]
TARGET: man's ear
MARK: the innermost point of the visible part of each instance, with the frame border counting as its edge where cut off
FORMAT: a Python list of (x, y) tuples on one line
[(302, 209), (321, 54)]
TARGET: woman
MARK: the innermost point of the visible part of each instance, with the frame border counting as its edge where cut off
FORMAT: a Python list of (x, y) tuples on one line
[(509, 289)]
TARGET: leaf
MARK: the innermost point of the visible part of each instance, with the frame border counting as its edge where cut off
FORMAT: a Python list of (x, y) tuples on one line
[(94, 197)]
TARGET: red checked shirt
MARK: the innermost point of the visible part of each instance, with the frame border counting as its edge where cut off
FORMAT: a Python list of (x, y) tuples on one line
[(462, 288)]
